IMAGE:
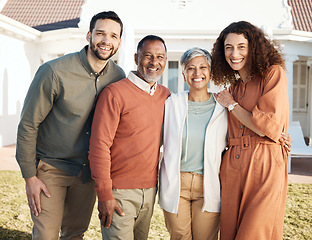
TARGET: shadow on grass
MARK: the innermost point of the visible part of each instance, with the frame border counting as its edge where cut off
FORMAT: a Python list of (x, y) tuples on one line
[(6, 234)]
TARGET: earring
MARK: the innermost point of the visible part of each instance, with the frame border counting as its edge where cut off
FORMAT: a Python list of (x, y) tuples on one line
[(237, 76)]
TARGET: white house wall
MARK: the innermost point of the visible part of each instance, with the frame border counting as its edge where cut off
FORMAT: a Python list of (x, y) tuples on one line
[(18, 62), (59, 42), (192, 14), (297, 49), (196, 23)]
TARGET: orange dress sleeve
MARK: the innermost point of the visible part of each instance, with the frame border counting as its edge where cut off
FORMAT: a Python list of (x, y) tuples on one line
[(272, 109)]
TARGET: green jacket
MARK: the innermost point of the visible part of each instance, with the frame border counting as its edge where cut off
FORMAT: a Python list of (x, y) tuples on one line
[(57, 114)]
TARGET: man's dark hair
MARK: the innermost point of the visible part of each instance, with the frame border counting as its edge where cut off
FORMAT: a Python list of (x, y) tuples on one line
[(150, 38), (106, 15)]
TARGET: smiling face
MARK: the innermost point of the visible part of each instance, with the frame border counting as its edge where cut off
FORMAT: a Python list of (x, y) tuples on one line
[(197, 73), (236, 52), (151, 61), (105, 39)]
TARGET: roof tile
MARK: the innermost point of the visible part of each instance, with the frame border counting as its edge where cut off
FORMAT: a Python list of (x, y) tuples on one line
[(42, 12), (301, 11)]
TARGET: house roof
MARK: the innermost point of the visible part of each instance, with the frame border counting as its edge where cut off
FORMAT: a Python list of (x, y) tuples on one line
[(47, 15), (301, 11), (44, 15)]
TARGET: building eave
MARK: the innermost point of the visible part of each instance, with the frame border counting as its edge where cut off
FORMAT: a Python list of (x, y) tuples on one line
[(181, 34), (65, 33), (17, 29), (292, 35)]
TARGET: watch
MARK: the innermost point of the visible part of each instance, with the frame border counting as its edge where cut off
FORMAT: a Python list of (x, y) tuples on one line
[(232, 106)]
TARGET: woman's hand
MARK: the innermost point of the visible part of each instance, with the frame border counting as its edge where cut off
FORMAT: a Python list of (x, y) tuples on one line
[(286, 141), (224, 98)]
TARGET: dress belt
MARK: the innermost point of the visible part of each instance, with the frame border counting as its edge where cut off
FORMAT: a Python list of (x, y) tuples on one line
[(246, 141)]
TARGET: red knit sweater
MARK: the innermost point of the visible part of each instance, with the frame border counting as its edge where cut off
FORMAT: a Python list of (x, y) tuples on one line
[(125, 138)]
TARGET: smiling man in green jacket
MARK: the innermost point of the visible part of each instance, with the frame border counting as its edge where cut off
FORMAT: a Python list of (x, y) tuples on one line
[(54, 131)]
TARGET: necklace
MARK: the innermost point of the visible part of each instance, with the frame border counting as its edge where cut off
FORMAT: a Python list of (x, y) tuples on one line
[(248, 77), (198, 107)]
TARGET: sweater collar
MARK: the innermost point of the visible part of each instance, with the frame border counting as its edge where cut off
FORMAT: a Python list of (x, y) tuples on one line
[(140, 83)]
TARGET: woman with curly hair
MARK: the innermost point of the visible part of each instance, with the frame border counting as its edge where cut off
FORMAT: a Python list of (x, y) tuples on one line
[(254, 168)]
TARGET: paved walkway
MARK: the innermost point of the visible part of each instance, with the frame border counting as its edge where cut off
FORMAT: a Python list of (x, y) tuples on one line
[(301, 168), (7, 158)]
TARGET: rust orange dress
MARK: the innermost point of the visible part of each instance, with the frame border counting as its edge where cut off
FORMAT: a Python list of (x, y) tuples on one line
[(254, 169)]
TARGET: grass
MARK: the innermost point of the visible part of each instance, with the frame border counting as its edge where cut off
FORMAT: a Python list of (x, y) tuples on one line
[(15, 221)]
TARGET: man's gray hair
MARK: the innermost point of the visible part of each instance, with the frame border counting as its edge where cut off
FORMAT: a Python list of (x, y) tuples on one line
[(194, 52)]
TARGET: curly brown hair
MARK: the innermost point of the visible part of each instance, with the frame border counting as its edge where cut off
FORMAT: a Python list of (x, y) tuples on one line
[(262, 53)]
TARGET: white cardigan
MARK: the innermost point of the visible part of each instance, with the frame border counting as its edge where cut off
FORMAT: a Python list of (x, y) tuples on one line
[(176, 109)]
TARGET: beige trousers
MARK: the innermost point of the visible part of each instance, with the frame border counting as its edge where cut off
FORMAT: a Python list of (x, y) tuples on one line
[(69, 208), (191, 222), (138, 206)]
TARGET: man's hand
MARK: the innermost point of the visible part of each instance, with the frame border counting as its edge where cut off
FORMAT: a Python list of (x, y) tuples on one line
[(106, 210), (34, 186)]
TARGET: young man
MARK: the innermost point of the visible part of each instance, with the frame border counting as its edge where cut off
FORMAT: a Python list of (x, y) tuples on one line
[(54, 131), (124, 145)]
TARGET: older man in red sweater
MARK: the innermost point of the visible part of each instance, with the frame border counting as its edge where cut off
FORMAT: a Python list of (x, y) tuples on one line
[(124, 145)]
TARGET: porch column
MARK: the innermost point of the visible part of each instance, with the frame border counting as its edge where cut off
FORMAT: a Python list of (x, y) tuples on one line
[(289, 60), (309, 63)]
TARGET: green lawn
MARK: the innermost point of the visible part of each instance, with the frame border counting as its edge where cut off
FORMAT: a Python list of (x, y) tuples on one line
[(15, 221)]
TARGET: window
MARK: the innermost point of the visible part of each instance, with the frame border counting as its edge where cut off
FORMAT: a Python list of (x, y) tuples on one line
[(173, 76), (300, 86), (186, 86)]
